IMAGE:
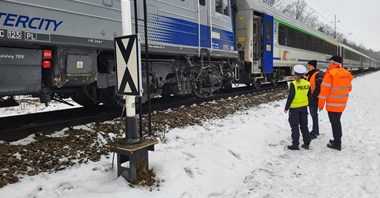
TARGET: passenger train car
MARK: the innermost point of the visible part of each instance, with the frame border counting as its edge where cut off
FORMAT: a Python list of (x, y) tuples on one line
[(54, 49)]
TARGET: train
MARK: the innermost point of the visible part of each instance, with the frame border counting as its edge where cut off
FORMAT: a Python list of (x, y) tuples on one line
[(57, 49)]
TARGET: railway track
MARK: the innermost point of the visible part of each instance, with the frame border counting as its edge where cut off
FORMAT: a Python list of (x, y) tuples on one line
[(17, 127), (20, 126), (176, 102)]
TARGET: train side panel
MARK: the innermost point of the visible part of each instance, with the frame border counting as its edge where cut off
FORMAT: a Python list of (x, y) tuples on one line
[(80, 35), (64, 22)]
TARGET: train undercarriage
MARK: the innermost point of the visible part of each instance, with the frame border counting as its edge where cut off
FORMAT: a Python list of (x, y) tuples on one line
[(74, 74)]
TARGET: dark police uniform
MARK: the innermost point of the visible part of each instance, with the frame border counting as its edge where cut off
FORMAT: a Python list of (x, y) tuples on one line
[(297, 105), (315, 78)]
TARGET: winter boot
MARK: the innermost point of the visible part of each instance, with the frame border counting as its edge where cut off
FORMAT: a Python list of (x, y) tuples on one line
[(313, 136), (332, 145), (293, 147), (305, 146)]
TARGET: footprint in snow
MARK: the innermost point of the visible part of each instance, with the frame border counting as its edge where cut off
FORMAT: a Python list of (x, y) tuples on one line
[(215, 194), (36, 191), (65, 186), (282, 142), (189, 172), (186, 195), (237, 155), (189, 155)]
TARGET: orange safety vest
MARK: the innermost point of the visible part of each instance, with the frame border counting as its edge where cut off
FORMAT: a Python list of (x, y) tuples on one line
[(335, 88), (313, 83)]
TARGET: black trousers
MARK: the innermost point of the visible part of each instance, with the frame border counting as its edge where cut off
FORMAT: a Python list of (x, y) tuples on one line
[(336, 127), (297, 121), (314, 116)]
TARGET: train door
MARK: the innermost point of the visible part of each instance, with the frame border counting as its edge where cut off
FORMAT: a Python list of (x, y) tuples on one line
[(256, 46), (267, 44), (204, 19)]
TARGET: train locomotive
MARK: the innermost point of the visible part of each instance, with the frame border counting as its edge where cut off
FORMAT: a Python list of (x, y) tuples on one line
[(64, 48)]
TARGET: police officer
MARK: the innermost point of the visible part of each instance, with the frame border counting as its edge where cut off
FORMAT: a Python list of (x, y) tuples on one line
[(315, 77), (297, 105), (335, 87)]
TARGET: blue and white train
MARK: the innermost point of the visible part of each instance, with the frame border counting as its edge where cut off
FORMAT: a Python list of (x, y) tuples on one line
[(55, 49)]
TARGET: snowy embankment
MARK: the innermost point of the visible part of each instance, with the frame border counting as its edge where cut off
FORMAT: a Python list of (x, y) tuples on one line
[(30, 105), (242, 155)]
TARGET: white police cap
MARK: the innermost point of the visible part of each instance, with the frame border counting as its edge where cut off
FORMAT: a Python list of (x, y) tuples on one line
[(299, 69)]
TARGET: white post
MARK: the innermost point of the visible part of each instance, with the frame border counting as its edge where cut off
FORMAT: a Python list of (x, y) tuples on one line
[(130, 101)]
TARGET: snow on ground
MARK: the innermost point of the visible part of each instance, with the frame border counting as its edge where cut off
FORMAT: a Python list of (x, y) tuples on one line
[(32, 105), (243, 155)]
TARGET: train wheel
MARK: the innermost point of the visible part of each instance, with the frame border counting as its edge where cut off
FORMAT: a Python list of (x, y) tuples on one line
[(256, 84), (227, 86), (275, 82), (85, 97), (109, 98), (199, 92)]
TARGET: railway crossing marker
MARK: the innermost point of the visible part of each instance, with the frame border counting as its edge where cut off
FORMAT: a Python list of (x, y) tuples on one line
[(128, 60), (133, 148)]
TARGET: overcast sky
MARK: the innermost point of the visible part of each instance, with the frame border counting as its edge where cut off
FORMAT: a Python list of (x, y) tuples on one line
[(359, 17)]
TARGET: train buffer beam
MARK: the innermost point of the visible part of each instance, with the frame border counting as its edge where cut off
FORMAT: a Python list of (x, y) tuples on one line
[(137, 156)]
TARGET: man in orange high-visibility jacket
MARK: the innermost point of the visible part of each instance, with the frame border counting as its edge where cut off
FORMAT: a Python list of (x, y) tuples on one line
[(335, 87)]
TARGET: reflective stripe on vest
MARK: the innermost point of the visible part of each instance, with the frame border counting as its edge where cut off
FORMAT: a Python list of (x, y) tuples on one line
[(326, 84), (340, 88), (336, 104), (300, 96), (339, 96)]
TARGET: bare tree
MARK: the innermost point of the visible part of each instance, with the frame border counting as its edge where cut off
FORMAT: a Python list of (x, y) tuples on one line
[(269, 2), (273, 3), (299, 10), (311, 20)]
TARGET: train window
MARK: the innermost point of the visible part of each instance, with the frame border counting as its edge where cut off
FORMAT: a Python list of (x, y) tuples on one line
[(300, 40), (320, 45), (218, 6), (291, 37), (202, 2), (281, 34), (316, 44), (226, 8), (294, 38), (333, 49), (222, 7), (352, 55), (324, 47), (269, 31), (309, 42)]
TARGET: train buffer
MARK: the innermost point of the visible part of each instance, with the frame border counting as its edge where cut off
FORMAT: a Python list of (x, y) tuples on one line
[(136, 154)]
